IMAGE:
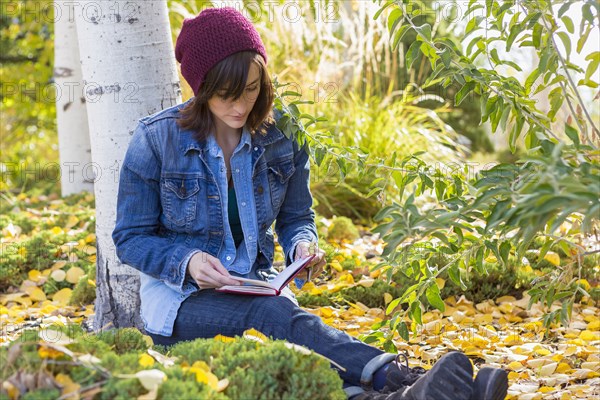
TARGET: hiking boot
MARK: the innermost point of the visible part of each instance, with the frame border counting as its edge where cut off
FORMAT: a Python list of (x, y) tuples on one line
[(490, 384), (451, 378), (399, 376)]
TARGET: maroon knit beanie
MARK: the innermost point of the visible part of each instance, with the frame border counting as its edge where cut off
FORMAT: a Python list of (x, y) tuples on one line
[(210, 37)]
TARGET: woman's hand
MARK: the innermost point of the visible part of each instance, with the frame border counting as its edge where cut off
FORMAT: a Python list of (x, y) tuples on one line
[(305, 249), (208, 272)]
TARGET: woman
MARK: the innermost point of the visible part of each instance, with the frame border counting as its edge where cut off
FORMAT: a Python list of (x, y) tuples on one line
[(200, 187)]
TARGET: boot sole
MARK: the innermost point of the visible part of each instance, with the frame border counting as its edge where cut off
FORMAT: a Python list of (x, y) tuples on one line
[(451, 378), (490, 384)]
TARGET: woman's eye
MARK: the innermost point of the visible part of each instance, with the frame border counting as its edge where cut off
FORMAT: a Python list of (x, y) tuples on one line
[(251, 89)]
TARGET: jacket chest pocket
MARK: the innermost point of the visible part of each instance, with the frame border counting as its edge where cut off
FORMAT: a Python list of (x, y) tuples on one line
[(279, 172), (179, 196)]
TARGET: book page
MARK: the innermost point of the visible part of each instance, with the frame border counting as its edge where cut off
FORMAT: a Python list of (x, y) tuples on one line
[(252, 282), (288, 273), (250, 289)]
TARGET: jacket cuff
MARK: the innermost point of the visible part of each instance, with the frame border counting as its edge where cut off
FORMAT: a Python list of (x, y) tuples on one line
[(184, 284)]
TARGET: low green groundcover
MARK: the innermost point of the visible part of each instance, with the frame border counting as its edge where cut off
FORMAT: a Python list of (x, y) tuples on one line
[(254, 370)]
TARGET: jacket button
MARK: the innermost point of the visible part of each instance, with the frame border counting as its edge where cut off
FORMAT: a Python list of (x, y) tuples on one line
[(263, 226), (260, 190)]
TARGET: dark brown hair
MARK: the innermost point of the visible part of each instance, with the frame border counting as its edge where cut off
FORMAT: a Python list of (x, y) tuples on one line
[(229, 76)]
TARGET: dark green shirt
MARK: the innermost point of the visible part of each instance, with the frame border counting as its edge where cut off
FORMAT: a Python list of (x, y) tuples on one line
[(234, 217)]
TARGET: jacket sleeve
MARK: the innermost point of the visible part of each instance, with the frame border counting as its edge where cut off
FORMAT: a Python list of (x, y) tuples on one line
[(296, 219), (138, 240)]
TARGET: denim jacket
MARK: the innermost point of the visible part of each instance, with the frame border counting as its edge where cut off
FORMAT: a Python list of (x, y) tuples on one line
[(172, 203)]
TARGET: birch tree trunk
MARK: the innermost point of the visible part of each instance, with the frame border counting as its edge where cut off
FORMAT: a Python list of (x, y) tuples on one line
[(71, 115), (129, 72)]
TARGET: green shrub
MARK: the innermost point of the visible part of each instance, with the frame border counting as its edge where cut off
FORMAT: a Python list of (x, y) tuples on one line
[(342, 228), (183, 385), (265, 371), (122, 389), (124, 340), (84, 293), (42, 394)]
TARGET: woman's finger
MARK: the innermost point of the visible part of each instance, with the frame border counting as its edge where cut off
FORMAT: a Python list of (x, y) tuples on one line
[(218, 267), (207, 282), (221, 279)]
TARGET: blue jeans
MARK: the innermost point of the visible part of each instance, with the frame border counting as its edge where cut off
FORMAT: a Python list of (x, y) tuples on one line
[(207, 313)]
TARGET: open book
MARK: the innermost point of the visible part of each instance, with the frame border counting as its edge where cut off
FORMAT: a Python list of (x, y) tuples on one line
[(273, 288)]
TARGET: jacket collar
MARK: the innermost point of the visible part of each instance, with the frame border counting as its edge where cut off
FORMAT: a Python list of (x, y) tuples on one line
[(273, 134)]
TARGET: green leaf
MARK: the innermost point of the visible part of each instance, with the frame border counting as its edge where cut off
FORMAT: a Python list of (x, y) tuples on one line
[(434, 298), (566, 42), (415, 312), (572, 134), (593, 65), (536, 36), (424, 31), (386, 5), (515, 133), (399, 35), (446, 57), (531, 80), (583, 38), (463, 92), (556, 100), (393, 304), (413, 53), (568, 23), (588, 82), (403, 331), (394, 19), (514, 31), (563, 9), (586, 11)]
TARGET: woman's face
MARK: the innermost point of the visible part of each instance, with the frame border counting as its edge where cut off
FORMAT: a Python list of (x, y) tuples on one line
[(234, 113)]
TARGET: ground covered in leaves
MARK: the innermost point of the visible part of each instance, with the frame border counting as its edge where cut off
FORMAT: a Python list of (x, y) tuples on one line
[(47, 284)]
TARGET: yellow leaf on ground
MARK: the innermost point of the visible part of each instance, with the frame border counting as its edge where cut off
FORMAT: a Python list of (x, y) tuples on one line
[(515, 366), (34, 275), (71, 221), (225, 339), (594, 325), (222, 385), (73, 274), (151, 378), (253, 334), (589, 336), (552, 258), (584, 283), (58, 275), (63, 296), (68, 386), (58, 265), (11, 390), (548, 369), (146, 360), (335, 264), (35, 293), (48, 352)]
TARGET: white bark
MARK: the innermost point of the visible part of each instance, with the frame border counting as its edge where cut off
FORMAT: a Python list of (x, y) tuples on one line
[(129, 72), (71, 116)]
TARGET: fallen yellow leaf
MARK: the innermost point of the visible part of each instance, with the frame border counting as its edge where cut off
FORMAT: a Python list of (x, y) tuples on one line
[(73, 274), (63, 296), (146, 360), (35, 293)]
